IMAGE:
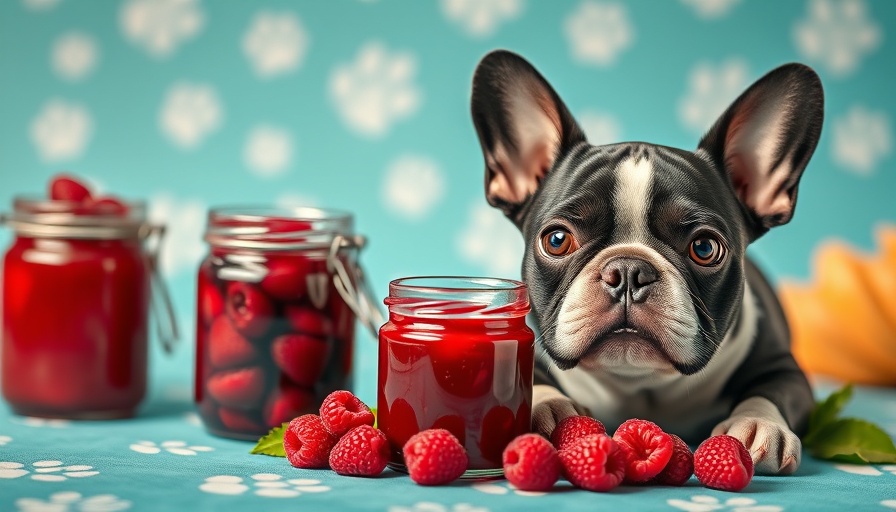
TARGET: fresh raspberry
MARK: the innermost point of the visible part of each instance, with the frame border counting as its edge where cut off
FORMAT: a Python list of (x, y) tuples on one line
[(307, 320), (287, 278), (249, 309), (341, 411), (594, 463), (307, 442), (240, 389), (227, 347), (301, 358), (722, 462), (434, 457), (531, 463), (680, 466), (64, 187), (647, 448), (286, 403), (362, 451), (574, 427)]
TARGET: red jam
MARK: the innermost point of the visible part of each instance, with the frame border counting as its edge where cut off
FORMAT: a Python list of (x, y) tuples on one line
[(273, 335), (456, 354), (75, 307)]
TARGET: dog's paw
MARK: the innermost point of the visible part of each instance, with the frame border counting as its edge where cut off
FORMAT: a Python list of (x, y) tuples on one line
[(775, 449), (550, 407)]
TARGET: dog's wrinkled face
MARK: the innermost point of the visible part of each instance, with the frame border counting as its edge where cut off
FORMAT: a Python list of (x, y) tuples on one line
[(634, 259), (634, 252)]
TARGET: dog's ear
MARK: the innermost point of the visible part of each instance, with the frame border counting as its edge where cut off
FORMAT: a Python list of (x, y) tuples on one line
[(523, 129), (765, 139)]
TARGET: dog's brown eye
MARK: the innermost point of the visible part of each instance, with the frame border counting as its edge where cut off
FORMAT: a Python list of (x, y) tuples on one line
[(707, 251), (559, 242)]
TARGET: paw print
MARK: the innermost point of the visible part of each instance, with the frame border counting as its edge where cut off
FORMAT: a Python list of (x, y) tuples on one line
[(490, 242), (275, 43), (66, 501), (711, 88), (175, 447), (4, 440), (268, 151), (711, 9), (428, 506), (862, 138), (29, 421), (856, 469), (190, 113), (413, 186), (267, 485), (481, 18), (160, 26), (701, 503), (889, 504), (61, 130), (598, 32), (837, 34), (45, 471), (503, 488)]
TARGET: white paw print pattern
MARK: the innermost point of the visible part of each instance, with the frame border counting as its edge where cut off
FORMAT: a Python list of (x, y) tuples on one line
[(711, 89), (598, 32), (429, 506), (503, 488), (61, 130), (856, 469), (160, 26), (73, 501), (481, 18), (889, 504), (183, 246), (275, 43), (600, 128), (489, 240), (74, 55), (5, 440), (30, 421), (175, 447), (40, 5), (267, 485), (862, 138), (702, 503), (268, 151), (413, 186), (837, 34), (190, 113), (375, 90), (45, 471), (710, 9)]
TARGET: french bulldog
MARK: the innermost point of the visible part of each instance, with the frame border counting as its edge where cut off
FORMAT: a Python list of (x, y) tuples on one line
[(642, 294)]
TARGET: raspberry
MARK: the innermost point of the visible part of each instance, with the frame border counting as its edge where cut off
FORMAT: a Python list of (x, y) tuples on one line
[(573, 428), (680, 466), (647, 448), (341, 411), (238, 421), (108, 205), (594, 463), (307, 320), (64, 187), (531, 463), (249, 309), (434, 457), (226, 347), (362, 451), (307, 442), (286, 278), (722, 462), (211, 304), (240, 389), (301, 358)]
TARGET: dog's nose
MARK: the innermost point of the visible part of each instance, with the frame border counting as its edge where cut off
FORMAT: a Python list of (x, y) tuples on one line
[(628, 277)]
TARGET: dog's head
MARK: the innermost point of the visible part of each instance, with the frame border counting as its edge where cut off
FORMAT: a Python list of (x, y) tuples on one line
[(635, 252)]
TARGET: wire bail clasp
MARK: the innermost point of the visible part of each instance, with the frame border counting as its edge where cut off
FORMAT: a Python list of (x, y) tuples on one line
[(352, 286), (161, 306)]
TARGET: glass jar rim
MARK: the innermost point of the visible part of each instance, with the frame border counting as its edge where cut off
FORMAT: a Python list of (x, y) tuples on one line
[(248, 227), (46, 218), (458, 297)]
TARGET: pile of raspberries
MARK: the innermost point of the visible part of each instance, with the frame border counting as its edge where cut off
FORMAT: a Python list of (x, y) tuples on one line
[(639, 452)]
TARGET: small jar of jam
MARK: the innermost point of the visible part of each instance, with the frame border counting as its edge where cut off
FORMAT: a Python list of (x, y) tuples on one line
[(456, 354), (76, 299), (277, 296)]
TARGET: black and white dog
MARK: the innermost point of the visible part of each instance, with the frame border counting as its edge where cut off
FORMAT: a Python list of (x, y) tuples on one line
[(635, 259)]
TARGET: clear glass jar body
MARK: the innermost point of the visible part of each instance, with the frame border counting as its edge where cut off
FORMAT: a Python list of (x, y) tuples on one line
[(456, 354), (273, 335), (76, 295)]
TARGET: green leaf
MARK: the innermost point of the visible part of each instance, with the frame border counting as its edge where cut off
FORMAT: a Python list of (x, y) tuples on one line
[(376, 418), (828, 410), (855, 441), (272, 443)]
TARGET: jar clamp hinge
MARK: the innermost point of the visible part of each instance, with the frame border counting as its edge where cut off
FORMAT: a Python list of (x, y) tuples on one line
[(353, 287), (160, 298)]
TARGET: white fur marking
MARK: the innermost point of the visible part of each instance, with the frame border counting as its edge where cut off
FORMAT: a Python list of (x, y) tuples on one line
[(633, 182)]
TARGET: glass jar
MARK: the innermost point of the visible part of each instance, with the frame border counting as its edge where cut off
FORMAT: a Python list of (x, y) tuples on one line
[(276, 314), (76, 300), (456, 354)]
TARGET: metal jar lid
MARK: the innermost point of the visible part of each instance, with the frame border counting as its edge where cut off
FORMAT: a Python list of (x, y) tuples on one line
[(249, 228), (43, 218)]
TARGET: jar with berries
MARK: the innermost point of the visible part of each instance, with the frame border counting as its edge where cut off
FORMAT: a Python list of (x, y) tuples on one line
[(278, 296), (78, 281)]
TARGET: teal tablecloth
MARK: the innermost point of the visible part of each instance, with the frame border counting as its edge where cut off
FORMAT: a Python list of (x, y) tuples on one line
[(164, 460)]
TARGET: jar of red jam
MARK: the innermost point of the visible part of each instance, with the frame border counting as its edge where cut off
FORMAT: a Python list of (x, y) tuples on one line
[(456, 354), (76, 301), (277, 296)]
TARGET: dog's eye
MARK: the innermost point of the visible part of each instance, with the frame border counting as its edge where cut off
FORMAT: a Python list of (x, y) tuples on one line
[(707, 251), (559, 242)]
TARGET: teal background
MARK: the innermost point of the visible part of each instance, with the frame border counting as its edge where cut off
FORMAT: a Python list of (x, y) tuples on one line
[(336, 165)]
